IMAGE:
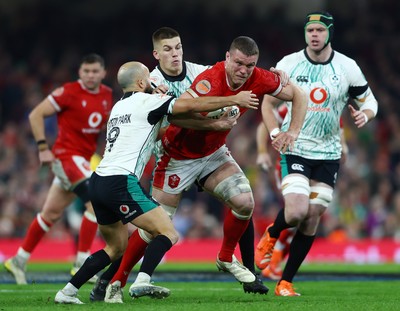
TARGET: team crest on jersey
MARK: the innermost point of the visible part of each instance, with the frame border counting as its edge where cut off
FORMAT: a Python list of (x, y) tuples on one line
[(203, 87), (124, 209), (335, 79), (58, 91), (173, 181)]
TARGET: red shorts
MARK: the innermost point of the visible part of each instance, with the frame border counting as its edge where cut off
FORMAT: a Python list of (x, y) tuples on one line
[(71, 170)]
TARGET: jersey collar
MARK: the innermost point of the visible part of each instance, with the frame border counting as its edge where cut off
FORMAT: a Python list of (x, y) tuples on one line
[(317, 63), (177, 78), (127, 94)]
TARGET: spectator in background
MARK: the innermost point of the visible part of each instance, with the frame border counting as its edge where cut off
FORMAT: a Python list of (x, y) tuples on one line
[(82, 108)]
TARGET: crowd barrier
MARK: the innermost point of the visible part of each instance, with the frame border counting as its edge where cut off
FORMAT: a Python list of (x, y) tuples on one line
[(205, 250)]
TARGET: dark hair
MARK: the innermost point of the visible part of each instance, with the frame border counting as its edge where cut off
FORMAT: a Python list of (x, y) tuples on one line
[(164, 33), (246, 45), (93, 58)]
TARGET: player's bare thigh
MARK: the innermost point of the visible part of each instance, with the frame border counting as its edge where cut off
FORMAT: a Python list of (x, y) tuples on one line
[(116, 238), (166, 198), (56, 202)]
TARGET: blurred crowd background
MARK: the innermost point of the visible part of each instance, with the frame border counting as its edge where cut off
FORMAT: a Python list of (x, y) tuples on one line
[(42, 42)]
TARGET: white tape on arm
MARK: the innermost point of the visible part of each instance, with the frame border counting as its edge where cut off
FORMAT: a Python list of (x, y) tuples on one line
[(274, 132), (365, 117)]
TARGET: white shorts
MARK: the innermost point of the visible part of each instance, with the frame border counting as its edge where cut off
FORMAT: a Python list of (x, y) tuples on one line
[(175, 176)]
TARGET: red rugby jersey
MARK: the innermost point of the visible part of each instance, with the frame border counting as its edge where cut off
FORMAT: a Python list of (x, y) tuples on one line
[(81, 114), (181, 143)]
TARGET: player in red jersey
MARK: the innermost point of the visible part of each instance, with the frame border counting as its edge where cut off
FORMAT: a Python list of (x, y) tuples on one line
[(202, 156), (82, 108)]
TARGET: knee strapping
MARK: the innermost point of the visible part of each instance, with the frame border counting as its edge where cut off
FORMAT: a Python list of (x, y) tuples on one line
[(145, 236), (232, 186), (170, 210), (295, 184), (321, 195), (90, 216)]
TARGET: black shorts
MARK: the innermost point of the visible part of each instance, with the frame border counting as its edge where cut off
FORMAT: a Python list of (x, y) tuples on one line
[(118, 198), (325, 171)]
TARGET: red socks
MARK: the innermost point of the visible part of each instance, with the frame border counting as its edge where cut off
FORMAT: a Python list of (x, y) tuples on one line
[(133, 253), (233, 230), (38, 228)]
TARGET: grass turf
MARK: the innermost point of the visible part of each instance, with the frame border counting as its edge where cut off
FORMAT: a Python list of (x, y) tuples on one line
[(323, 295), (215, 296)]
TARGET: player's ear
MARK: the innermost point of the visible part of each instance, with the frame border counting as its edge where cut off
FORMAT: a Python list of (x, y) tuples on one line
[(155, 54), (139, 83), (227, 55)]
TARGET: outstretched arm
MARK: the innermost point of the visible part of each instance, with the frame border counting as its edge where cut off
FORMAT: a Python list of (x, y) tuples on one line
[(187, 104), (201, 123)]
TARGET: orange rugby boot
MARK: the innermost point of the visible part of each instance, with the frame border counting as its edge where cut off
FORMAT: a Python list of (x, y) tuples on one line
[(264, 250)]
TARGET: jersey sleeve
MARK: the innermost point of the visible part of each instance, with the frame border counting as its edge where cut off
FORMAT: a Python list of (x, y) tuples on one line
[(359, 89), (58, 98), (272, 82), (161, 106), (358, 85)]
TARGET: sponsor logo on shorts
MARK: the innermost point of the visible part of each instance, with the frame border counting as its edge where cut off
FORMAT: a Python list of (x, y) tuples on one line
[(297, 167), (124, 209), (130, 214), (173, 181)]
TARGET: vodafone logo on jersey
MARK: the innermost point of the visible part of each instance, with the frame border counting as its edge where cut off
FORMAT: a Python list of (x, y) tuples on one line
[(318, 95), (95, 119)]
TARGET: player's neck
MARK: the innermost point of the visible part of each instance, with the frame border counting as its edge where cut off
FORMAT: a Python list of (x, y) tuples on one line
[(321, 56), (232, 86)]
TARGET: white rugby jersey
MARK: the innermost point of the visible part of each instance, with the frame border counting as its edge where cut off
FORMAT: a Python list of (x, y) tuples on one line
[(328, 87), (132, 130), (176, 86)]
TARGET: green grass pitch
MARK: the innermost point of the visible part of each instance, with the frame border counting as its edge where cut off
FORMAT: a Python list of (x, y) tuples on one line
[(347, 294)]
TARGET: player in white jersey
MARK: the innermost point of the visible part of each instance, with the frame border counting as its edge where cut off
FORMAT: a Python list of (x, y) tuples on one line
[(311, 164), (173, 76), (115, 190)]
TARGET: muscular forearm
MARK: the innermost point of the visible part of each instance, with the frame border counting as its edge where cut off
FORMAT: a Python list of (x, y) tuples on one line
[(299, 110)]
